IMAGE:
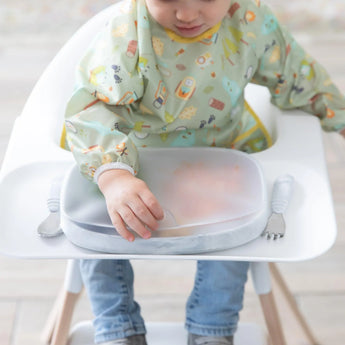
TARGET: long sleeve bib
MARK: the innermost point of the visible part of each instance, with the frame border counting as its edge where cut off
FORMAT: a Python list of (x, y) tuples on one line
[(140, 85)]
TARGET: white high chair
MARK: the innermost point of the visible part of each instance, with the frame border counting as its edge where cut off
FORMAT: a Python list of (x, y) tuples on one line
[(34, 158)]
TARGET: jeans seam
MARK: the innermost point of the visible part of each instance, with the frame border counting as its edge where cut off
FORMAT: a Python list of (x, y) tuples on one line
[(205, 330), (130, 320), (118, 334), (196, 295)]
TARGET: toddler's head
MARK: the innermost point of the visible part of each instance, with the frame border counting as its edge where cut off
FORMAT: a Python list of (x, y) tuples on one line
[(188, 18)]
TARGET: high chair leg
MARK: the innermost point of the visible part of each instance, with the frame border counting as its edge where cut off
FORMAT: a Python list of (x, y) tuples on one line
[(272, 318), (63, 322), (262, 284), (72, 289), (47, 333), (291, 303)]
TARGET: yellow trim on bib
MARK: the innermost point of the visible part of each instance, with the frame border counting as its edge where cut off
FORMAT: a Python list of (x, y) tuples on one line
[(259, 125), (63, 137), (205, 35)]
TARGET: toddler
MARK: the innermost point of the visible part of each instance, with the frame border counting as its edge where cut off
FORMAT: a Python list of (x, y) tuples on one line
[(171, 73)]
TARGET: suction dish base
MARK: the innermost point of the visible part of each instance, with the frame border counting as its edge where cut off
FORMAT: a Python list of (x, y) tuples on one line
[(231, 182), (214, 238)]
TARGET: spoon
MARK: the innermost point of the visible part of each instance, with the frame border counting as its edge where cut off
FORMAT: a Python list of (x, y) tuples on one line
[(50, 227)]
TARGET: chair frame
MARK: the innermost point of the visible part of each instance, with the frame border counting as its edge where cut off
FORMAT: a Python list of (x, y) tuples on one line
[(56, 331), (26, 137)]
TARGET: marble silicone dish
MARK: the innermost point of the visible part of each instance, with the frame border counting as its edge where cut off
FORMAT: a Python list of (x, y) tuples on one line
[(213, 199)]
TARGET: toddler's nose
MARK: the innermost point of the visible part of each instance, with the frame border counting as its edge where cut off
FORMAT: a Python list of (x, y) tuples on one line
[(187, 14)]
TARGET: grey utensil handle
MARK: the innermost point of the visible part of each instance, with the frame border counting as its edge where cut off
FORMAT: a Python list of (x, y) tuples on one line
[(282, 190), (53, 200)]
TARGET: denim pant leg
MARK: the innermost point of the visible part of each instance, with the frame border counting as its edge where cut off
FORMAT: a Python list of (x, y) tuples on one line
[(109, 285), (217, 298)]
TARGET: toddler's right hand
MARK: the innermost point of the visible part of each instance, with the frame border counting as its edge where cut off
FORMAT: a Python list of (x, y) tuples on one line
[(129, 202)]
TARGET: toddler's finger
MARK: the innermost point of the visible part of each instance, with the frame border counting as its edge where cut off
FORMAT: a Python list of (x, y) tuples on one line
[(134, 223), (152, 204), (121, 228), (143, 214)]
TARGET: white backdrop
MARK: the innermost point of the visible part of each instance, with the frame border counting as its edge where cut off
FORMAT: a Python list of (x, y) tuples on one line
[(32, 15)]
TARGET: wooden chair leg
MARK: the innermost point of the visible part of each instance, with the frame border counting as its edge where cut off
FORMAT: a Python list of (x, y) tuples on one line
[(56, 331), (272, 318), (262, 284), (47, 333), (291, 304), (63, 321)]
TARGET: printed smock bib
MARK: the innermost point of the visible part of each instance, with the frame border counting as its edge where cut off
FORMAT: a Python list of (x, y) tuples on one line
[(140, 85)]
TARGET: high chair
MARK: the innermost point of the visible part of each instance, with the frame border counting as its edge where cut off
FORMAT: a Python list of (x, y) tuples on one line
[(34, 158)]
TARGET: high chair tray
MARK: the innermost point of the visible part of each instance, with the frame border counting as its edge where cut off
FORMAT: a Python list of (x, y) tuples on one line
[(310, 222), (213, 199)]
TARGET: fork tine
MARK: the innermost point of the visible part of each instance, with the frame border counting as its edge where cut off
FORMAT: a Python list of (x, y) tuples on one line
[(272, 235)]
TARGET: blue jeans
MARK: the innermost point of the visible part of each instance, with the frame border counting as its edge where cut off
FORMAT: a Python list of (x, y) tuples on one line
[(212, 308)]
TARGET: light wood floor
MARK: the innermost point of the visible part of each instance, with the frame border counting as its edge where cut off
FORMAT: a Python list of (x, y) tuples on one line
[(28, 288)]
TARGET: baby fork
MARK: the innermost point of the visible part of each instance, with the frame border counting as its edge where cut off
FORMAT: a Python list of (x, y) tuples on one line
[(282, 190)]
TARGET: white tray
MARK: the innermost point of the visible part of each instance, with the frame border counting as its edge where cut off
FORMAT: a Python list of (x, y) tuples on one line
[(214, 198), (310, 222)]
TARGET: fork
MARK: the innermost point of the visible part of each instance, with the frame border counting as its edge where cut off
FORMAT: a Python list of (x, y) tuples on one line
[(281, 194)]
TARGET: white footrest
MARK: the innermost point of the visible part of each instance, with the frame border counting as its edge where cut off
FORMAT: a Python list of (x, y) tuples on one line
[(166, 333)]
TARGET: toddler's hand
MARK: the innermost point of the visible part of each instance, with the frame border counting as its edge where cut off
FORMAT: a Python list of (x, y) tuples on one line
[(129, 202)]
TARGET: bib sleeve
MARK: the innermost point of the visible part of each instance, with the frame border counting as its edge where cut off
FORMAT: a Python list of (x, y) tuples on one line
[(295, 79), (108, 89)]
